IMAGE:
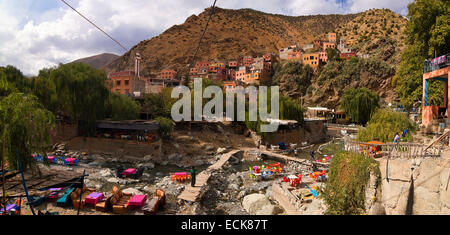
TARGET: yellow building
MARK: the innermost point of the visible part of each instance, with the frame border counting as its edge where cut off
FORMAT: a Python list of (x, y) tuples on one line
[(312, 59), (252, 78)]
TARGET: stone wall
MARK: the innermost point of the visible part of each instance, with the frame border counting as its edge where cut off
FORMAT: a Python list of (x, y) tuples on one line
[(416, 186)]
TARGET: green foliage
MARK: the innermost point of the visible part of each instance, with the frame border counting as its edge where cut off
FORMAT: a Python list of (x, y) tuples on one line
[(384, 124), (159, 105), (24, 127), (165, 127), (293, 78), (122, 107), (347, 179), (16, 78), (81, 93), (359, 104), (428, 32), (291, 109), (333, 54)]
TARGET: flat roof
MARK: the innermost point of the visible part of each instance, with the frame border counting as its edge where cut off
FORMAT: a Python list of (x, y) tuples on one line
[(128, 125)]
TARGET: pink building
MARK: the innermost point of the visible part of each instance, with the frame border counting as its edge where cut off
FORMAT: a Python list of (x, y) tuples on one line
[(295, 56), (328, 45), (168, 74), (332, 37), (323, 56)]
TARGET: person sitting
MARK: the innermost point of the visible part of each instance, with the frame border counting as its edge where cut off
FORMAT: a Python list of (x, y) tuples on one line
[(396, 138)]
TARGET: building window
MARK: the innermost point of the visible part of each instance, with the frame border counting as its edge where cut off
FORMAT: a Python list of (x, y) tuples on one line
[(118, 82), (127, 82)]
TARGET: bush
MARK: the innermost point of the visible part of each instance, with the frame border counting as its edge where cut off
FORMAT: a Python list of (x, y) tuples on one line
[(165, 127), (345, 187), (384, 124), (122, 107)]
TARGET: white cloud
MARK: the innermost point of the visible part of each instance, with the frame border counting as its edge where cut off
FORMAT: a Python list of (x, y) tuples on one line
[(43, 33)]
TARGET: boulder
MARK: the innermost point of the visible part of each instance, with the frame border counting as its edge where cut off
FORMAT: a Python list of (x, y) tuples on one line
[(221, 150), (254, 202), (132, 191), (267, 209)]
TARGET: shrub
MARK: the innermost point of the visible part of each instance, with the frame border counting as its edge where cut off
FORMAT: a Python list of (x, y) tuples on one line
[(165, 127), (345, 187), (359, 104), (384, 124)]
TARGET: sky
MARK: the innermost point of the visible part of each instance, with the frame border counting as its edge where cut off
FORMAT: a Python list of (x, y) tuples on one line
[(36, 34)]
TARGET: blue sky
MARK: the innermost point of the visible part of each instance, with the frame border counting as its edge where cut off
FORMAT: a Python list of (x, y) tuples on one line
[(41, 33)]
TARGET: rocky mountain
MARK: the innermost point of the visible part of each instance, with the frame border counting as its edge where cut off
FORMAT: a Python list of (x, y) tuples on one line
[(98, 61), (246, 32), (231, 33)]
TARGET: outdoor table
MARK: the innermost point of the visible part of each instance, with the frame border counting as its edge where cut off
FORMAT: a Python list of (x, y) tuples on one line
[(50, 158), (129, 171), (181, 173), (137, 201), (94, 198), (70, 160)]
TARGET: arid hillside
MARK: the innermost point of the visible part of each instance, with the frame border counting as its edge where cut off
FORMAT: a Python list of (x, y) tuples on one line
[(98, 61), (231, 33)]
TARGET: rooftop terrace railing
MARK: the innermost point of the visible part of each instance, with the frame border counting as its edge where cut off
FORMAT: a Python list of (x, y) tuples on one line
[(437, 63)]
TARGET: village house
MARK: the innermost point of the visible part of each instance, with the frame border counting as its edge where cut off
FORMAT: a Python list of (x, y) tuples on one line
[(240, 74), (126, 83), (193, 71), (323, 56), (312, 59), (347, 56), (217, 64), (328, 45), (168, 74), (229, 85), (317, 43), (202, 64), (284, 52), (232, 74), (233, 64), (343, 49), (253, 78), (295, 56), (332, 37), (248, 61)]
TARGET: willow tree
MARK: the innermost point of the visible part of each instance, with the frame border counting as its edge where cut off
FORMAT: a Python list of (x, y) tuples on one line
[(24, 125), (82, 94), (359, 104)]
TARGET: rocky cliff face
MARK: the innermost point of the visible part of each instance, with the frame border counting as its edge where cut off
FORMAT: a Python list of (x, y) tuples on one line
[(416, 186)]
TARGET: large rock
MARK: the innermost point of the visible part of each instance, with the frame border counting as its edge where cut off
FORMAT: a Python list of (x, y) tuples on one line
[(221, 150), (267, 209), (254, 202), (132, 191)]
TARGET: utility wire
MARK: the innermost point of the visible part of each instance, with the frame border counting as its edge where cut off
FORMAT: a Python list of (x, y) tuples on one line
[(95, 25), (204, 31)]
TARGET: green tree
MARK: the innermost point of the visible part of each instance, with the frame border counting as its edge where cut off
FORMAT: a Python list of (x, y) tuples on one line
[(427, 33), (16, 78), (333, 54), (384, 124), (165, 127), (24, 125), (122, 107), (293, 79), (359, 104), (82, 93)]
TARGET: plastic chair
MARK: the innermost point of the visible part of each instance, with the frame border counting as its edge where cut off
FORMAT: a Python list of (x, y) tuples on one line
[(76, 162), (285, 179)]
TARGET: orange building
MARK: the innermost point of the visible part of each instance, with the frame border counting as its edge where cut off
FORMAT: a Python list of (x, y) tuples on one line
[(323, 56), (202, 64), (229, 85), (248, 61), (295, 56), (328, 45), (253, 78), (332, 37), (312, 59), (168, 74), (125, 83)]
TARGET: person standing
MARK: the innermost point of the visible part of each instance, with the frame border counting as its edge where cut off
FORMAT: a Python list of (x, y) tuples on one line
[(295, 152), (193, 172), (396, 138)]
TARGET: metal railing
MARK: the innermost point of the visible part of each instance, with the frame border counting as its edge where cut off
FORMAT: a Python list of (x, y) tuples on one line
[(392, 150), (437, 63)]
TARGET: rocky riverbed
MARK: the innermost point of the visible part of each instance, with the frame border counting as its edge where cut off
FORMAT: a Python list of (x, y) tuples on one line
[(230, 190)]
